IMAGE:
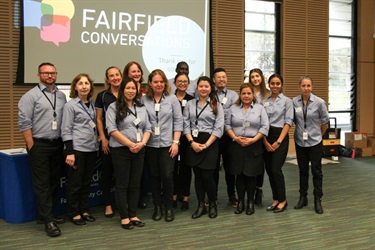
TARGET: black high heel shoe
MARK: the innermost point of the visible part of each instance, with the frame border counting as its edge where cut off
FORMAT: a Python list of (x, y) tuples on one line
[(200, 211), (279, 210), (240, 207), (272, 207)]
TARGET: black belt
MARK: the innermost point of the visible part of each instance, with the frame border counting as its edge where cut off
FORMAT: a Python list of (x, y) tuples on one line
[(53, 141)]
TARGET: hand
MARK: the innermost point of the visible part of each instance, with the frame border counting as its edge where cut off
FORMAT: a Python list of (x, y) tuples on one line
[(268, 146), (70, 160), (30, 145), (105, 146), (173, 150), (136, 147), (275, 146)]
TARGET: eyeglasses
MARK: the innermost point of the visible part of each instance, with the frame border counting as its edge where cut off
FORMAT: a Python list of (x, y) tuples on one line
[(182, 81), (48, 73)]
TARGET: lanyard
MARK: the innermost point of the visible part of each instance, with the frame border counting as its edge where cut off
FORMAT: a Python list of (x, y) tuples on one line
[(87, 112), (52, 105), (225, 95), (157, 112), (134, 113), (304, 111), (196, 111)]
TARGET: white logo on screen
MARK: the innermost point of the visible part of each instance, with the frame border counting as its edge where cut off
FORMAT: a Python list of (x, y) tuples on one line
[(173, 39)]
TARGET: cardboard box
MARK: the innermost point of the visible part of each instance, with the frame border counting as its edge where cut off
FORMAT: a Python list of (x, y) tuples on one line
[(365, 151), (371, 143), (355, 140)]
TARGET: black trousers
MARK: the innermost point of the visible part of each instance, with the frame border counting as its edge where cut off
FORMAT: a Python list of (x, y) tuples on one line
[(128, 168), (181, 178), (274, 162), (305, 155), (230, 179), (78, 182), (107, 178), (205, 184), (46, 161), (161, 167), (245, 184)]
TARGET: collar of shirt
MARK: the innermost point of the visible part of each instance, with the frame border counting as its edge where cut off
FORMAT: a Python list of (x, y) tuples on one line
[(224, 91), (251, 105), (42, 87)]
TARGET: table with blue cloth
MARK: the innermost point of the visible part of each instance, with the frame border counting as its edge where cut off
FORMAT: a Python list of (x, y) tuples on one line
[(17, 197)]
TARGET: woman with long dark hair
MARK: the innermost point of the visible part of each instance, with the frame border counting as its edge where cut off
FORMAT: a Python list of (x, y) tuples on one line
[(129, 128)]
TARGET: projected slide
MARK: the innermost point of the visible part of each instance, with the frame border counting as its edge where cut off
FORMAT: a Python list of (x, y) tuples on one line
[(89, 36)]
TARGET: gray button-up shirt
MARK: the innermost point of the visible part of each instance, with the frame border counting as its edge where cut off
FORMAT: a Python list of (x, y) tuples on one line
[(247, 123), (169, 119), (76, 125), (35, 112), (127, 126), (316, 114), (207, 121), (280, 112)]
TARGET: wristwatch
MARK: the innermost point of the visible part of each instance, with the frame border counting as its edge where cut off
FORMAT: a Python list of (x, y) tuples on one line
[(177, 142), (278, 143), (191, 141)]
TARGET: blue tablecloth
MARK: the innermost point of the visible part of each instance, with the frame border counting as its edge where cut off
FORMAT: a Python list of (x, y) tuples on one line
[(17, 197)]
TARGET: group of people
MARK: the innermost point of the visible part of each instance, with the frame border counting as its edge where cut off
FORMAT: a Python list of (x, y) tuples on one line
[(172, 129)]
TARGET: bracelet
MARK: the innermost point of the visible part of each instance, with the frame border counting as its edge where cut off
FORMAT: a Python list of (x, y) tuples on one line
[(234, 138), (144, 144), (205, 146), (177, 142)]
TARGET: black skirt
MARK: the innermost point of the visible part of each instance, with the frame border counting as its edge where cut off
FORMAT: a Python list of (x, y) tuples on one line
[(247, 160), (205, 159)]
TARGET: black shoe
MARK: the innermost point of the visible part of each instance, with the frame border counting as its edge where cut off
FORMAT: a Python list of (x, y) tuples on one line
[(233, 201), (279, 210), (52, 229), (240, 207), (250, 207), (318, 205), (138, 223), (157, 213), (258, 196), (128, 226), (212, 210), (78, 222), (272, 208), (169, 215), (57, 220), (88, 218), (109, 215), (301, 203), (185, 205), (200, 211)]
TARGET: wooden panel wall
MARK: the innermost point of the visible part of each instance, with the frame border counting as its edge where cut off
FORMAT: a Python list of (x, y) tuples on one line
[(228, 27)]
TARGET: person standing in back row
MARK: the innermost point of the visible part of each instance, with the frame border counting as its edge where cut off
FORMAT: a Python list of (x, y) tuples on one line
[(311, 119), (183, 68), (226, 98), (39, 118), (257, 81)]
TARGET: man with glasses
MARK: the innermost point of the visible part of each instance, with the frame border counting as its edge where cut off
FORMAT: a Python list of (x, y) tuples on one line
[(39, 119)]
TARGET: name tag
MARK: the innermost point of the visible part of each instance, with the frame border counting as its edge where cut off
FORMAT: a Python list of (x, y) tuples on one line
[(246, 124), (298, 109), (157, 130), (183, 103), (157, 107), (92, 124), (305, 136), (266, 104), (138, 137), (137, 121), (224, 101), (195, 132), (54, 125)]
